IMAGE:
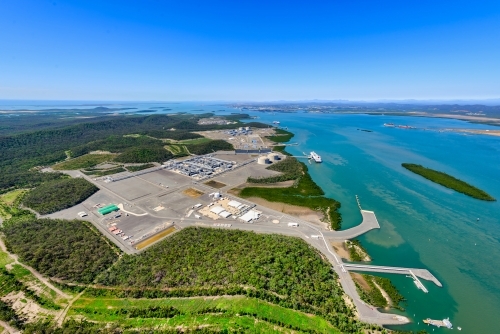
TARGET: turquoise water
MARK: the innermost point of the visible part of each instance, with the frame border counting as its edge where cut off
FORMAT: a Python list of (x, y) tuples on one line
[(422, 224)]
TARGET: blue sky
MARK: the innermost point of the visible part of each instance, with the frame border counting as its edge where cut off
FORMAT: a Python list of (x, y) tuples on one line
[(249, 50)]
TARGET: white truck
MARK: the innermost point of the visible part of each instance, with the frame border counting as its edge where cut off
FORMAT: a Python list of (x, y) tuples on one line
[(293, 224)]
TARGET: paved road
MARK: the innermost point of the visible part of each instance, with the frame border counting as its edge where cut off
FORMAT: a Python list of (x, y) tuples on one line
[(306, 231)]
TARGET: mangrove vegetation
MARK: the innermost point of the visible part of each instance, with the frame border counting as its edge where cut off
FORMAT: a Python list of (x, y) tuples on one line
[(448, 181)]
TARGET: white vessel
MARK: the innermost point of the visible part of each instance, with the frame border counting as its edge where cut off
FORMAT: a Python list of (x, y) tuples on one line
[(276, 122), (315, 157)]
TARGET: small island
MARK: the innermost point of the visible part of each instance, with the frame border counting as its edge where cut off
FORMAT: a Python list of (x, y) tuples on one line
[(448, 181)]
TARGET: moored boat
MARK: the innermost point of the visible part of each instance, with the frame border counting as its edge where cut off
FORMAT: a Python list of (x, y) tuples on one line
[(439, 323)]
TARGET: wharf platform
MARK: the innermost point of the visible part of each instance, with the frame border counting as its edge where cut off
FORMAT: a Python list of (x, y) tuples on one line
[(422, 273), (368, 223)]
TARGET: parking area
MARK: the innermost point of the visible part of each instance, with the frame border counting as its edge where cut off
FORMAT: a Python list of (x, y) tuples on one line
[(132, 188)]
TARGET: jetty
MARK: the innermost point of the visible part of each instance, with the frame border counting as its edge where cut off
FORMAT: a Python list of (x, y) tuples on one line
[(368, 223), (413, 272)]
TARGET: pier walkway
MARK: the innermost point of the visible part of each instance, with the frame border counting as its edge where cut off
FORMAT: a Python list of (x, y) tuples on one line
[(422, 273)]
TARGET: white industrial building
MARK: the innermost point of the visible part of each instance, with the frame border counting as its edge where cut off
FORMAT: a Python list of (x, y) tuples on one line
[(250, 216), (235, 204), (225, 214), (217, 209)]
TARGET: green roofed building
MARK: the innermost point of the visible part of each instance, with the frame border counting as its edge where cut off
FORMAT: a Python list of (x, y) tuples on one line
[(107, 209)]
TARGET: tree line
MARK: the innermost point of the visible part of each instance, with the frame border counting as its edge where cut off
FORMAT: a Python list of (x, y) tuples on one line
[(67, 250), (21, 152), (58, 195), (448, 181)]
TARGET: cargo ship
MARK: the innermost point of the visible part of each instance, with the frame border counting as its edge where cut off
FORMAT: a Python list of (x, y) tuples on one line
[(315, 157), (439, 323)]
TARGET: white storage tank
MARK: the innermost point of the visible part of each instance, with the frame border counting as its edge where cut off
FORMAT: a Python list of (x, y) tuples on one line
[(263, 160), (273, 157)]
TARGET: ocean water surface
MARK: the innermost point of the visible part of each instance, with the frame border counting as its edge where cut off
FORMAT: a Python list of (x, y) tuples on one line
[(423, 224)]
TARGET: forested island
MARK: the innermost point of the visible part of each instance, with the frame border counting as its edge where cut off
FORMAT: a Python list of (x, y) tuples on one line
[(448, 181)]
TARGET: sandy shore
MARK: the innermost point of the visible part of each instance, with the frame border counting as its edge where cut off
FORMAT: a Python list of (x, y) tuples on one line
[(341, 250), (478, 132)]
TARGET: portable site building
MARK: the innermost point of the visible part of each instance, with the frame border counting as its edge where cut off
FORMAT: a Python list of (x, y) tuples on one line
[(250, 215)]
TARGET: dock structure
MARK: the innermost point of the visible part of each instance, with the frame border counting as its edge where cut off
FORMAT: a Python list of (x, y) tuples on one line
[(414, 272), (369, 223), (359, 204)]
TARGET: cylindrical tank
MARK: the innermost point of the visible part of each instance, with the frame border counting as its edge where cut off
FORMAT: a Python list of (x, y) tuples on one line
[(262, 160), (273, 157)]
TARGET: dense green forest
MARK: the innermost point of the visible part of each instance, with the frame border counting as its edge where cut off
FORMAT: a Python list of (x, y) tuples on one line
[(58, 195), (21, 152), (283, 269), (67, 250), (448, 181), (210, 147), (144, 155)]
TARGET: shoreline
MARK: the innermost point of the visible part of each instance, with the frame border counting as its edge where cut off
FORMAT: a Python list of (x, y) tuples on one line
[(326, 213)]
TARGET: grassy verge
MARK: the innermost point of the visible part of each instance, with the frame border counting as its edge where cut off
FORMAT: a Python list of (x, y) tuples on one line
[(219, 312), (9, 203), (139, 167), (84, 161), (104, 172), (448, 181), (178, 150), (194, 141)]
